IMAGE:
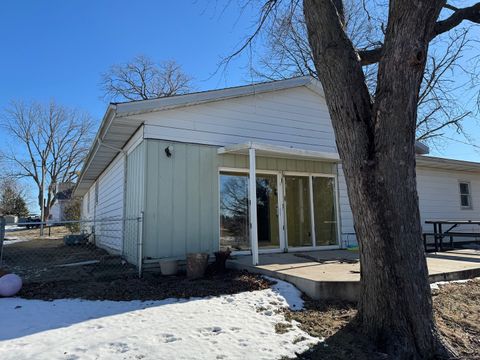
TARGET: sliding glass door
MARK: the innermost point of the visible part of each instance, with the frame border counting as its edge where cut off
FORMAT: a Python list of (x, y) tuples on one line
[(234, 223), (324, 211), (298, 212), (297, 204), (267, 212), (234, 212), (311, 211)]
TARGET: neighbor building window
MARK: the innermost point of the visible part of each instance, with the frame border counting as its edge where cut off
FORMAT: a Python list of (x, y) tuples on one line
[(465, 195)]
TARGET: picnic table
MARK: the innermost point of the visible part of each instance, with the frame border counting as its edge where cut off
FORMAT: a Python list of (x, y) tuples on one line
[(439, 234)]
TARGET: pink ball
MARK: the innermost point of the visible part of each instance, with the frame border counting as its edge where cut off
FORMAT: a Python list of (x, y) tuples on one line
[(10, 285)]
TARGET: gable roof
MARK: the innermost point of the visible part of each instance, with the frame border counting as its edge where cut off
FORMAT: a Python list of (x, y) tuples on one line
[(195, 98), (117, 127)]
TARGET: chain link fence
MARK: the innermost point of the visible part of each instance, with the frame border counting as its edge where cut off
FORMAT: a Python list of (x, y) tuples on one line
[(71, 250)]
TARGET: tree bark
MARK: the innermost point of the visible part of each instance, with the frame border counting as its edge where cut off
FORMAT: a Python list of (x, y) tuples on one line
[(376, 142)]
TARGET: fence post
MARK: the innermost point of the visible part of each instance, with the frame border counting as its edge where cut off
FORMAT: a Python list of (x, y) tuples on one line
[(140, 244), (2, 237)]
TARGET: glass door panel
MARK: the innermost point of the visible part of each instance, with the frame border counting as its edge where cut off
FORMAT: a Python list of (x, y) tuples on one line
[(324, 209), (234, 224), (267, 212), (234, 211), (298, 218)]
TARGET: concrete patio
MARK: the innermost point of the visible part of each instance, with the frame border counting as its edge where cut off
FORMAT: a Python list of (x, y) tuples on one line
[(335, 274)]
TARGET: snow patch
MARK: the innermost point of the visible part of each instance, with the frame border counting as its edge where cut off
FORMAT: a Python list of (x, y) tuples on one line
[(14, 240), (436, 286), (239, 326)]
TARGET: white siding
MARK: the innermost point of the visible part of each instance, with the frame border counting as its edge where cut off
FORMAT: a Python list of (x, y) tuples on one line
[(55, 211), (88, 205), (134, 141), (110, 205), (439, 199), (295, 117), (439, 196), (111, 197)]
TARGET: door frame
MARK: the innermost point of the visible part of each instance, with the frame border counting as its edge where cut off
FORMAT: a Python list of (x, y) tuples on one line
[(281, 226), (314, 246), (282, 215)]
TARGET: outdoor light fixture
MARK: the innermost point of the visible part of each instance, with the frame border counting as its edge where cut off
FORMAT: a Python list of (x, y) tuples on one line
[(168, 151)]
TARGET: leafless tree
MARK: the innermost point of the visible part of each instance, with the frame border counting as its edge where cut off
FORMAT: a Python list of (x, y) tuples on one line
[(12, 197), (143, 79), (375, 133), (48, 145), (288, 54)]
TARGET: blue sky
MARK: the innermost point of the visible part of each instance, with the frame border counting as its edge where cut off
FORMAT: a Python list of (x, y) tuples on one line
[(57, 49)]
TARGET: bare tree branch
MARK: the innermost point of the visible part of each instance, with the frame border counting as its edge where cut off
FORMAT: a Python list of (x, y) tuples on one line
[(142, 79), (288, 54), (51, 143), (471, 13)]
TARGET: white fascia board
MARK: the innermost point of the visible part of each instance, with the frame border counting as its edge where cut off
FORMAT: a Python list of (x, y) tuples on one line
[(105, 124), (279, 151), (447, 164), (421, 148), (315, 86)]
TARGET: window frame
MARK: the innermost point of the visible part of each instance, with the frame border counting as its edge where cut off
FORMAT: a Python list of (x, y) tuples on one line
[(282, 216), (469, 194)]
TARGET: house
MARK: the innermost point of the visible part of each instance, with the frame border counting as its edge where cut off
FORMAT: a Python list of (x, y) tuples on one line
[(63, 197), (184, 163)]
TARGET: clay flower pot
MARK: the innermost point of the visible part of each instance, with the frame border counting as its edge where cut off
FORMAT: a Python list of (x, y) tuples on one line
[(196, 265)]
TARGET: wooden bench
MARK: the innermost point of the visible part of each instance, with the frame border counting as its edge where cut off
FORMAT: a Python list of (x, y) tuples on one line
[(449, 234)]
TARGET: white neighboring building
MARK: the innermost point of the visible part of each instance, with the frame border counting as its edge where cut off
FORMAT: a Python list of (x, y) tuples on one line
[(185, 163), (63, 196)]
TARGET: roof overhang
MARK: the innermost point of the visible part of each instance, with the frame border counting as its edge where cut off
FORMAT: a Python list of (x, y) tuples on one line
[(111, 137), (447, 164), (279, 152), (421, 148)]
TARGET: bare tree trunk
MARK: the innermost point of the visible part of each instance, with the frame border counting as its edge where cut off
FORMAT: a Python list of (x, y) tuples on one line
[(42, 198), (376, 142)]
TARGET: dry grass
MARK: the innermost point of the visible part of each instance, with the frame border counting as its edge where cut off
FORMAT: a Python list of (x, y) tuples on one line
[(457, 313), (54, 232)]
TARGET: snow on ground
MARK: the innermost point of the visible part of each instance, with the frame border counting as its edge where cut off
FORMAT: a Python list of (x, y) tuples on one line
[(11, 228), (436, 286), (14, 240), (240, 326)]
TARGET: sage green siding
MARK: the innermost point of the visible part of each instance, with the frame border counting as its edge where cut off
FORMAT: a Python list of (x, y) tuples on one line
[(181, 199), (134, 201), (276, 164), (181, 202)]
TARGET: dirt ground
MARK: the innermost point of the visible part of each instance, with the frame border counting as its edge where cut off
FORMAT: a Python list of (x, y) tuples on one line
[(457, 313), (456, 305), (152, 286), (47, 258)]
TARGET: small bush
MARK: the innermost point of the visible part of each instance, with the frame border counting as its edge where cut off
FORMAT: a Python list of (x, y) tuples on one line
[(72, 213)]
